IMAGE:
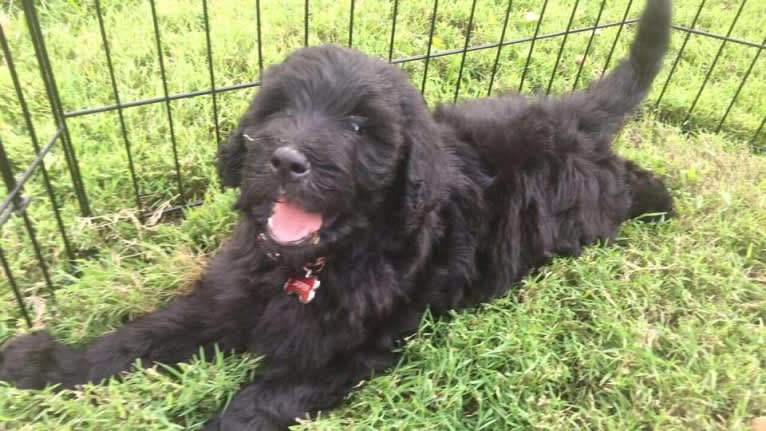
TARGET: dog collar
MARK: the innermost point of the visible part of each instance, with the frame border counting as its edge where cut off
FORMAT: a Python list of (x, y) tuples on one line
[(304, 286)]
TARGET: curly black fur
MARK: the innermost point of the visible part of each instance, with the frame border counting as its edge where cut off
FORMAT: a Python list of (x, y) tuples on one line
[(421, 210)]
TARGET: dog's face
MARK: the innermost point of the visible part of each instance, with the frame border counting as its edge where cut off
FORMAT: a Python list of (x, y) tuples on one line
[(322, 146)]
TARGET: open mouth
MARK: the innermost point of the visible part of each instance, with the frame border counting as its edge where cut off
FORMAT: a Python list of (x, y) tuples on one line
[(291, 224)]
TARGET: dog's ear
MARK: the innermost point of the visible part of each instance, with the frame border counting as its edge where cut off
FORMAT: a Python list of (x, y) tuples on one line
[(426, 166), (230, 158)]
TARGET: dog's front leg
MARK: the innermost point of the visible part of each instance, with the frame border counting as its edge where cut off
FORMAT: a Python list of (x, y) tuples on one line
[(170, 335), (274, 401), (278, 398)]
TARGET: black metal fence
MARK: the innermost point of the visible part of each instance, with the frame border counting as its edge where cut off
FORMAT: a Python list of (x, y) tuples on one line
[(17, 203)]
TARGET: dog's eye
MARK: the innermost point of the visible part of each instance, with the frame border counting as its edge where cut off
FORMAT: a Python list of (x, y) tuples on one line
[(288, 112), (356, 124)]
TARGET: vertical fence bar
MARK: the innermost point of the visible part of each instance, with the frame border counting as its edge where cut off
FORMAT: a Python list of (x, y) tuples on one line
[(20, 207), (430, 45), (35, 144), (38, 252), (712, 66), (351, 25), (500, 48), (561, 48), (532, 45), (465, 50), (209, 46), (46, 72), (306, 23), (168, 108), (741, 85), (680, 54), (589, 45), (616, 38), (120, 114), (755, 137), (260, 40), (393, 31), (15, 289)]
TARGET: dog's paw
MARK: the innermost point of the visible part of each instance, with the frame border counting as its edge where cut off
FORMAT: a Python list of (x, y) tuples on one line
[(35, 360)]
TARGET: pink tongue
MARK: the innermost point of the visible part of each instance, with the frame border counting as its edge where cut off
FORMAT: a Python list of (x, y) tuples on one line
[(290, 223)]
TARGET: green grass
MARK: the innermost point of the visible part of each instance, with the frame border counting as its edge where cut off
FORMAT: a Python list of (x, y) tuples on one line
[(664, 329)]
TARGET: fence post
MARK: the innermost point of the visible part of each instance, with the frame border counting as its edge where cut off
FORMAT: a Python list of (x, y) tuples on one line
[(46, 71), (18, 205), (35, 143)]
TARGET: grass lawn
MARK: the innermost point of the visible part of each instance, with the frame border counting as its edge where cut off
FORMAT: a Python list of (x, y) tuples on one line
[(663, 330)]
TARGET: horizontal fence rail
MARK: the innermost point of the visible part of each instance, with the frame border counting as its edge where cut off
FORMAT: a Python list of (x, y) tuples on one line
[(16, 203), (421, 57)]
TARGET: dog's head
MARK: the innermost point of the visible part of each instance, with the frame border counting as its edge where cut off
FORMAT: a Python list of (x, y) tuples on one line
[(333, 141)]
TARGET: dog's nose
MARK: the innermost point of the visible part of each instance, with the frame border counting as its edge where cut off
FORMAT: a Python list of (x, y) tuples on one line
[(290, 163)]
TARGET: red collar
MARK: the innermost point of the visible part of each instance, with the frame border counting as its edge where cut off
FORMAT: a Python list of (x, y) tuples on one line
[(305, 286)]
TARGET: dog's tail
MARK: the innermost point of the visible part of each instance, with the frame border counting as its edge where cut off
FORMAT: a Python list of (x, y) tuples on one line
[(620, 92)]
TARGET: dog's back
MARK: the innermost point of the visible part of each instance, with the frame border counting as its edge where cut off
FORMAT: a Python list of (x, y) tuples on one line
[(554, 184), (512, 130)]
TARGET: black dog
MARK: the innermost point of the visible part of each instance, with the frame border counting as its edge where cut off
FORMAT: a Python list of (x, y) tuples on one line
[(347, 179)]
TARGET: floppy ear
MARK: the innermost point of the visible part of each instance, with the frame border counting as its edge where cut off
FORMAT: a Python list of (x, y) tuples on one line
[(230, 158), (426, 166)]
